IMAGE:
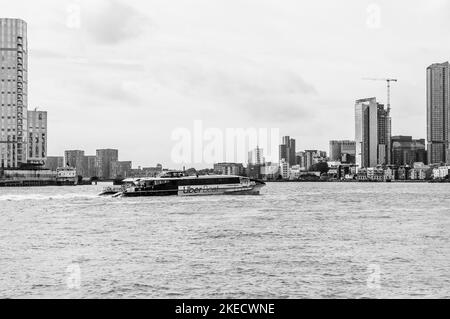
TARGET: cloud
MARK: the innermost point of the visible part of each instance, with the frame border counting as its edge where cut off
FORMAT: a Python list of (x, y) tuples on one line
[(111, 94), (276, 109), (46, 54), (114, 22), (256, 90)]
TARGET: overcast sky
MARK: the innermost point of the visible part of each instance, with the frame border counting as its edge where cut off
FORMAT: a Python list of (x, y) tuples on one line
[(125, 74)]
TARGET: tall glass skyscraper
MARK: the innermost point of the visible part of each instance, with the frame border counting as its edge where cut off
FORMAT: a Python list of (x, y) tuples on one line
[(13, 92), (288, 151), (438, 113), (372, 133)]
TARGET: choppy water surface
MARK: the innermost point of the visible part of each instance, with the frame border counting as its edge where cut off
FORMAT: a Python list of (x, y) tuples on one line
[(294, 241)]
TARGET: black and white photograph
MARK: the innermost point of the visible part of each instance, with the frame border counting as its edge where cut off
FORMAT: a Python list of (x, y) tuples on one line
[(208, 150)]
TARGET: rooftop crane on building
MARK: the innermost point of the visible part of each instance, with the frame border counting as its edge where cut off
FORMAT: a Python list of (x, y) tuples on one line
[(388, 90)]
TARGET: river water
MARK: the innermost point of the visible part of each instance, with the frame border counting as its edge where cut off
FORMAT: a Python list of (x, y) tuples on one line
[(296, 240)]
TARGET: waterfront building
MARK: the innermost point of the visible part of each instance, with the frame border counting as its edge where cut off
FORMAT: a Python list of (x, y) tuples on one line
[(23, 133), (120, 169), (157, 169), (37, 137), (348, 148), (403, 173), (321, 156), (310, 176), (438, 112), (270, 171), (295, 172), (90, 166), (309, 158), (362, 174), (366, 133), (441, 172), (283, 152), (138, 173), (420, 172), (253, 171), (75, 159), (104, 159), (229, 169), (292, 151), (288, 151), (407, 151), (342, 151), (312, 157), (347, 171), (375, 174), (384, 135), (54, 162), (333, 169), (372, 133), (335, 151), (153, 171), (284, 169), (348, 159), (390, 174), (147, 171), (301, 159), (13, 92), (256, 157)]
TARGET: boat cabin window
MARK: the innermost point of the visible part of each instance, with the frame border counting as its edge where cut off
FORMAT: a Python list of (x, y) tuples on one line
[(141, 183), (210, 181), (173, 175), (162, 182)]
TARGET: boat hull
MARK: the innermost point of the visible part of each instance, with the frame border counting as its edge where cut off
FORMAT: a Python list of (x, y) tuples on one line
[(188, 191), (219, 190)]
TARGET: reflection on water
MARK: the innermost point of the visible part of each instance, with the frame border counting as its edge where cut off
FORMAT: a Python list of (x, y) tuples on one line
[(296, 240)]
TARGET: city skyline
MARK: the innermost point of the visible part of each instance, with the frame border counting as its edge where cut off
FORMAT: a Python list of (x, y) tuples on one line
[(164, 77), (24, 133)]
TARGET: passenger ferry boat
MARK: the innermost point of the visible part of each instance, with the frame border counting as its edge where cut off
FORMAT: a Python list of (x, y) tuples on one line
[(178, 184)]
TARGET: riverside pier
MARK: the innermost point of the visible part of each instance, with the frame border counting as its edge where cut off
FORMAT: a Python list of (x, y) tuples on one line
[(29, 177)]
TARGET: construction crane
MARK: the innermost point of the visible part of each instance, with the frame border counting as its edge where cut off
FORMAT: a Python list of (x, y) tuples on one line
[(388, 89)]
